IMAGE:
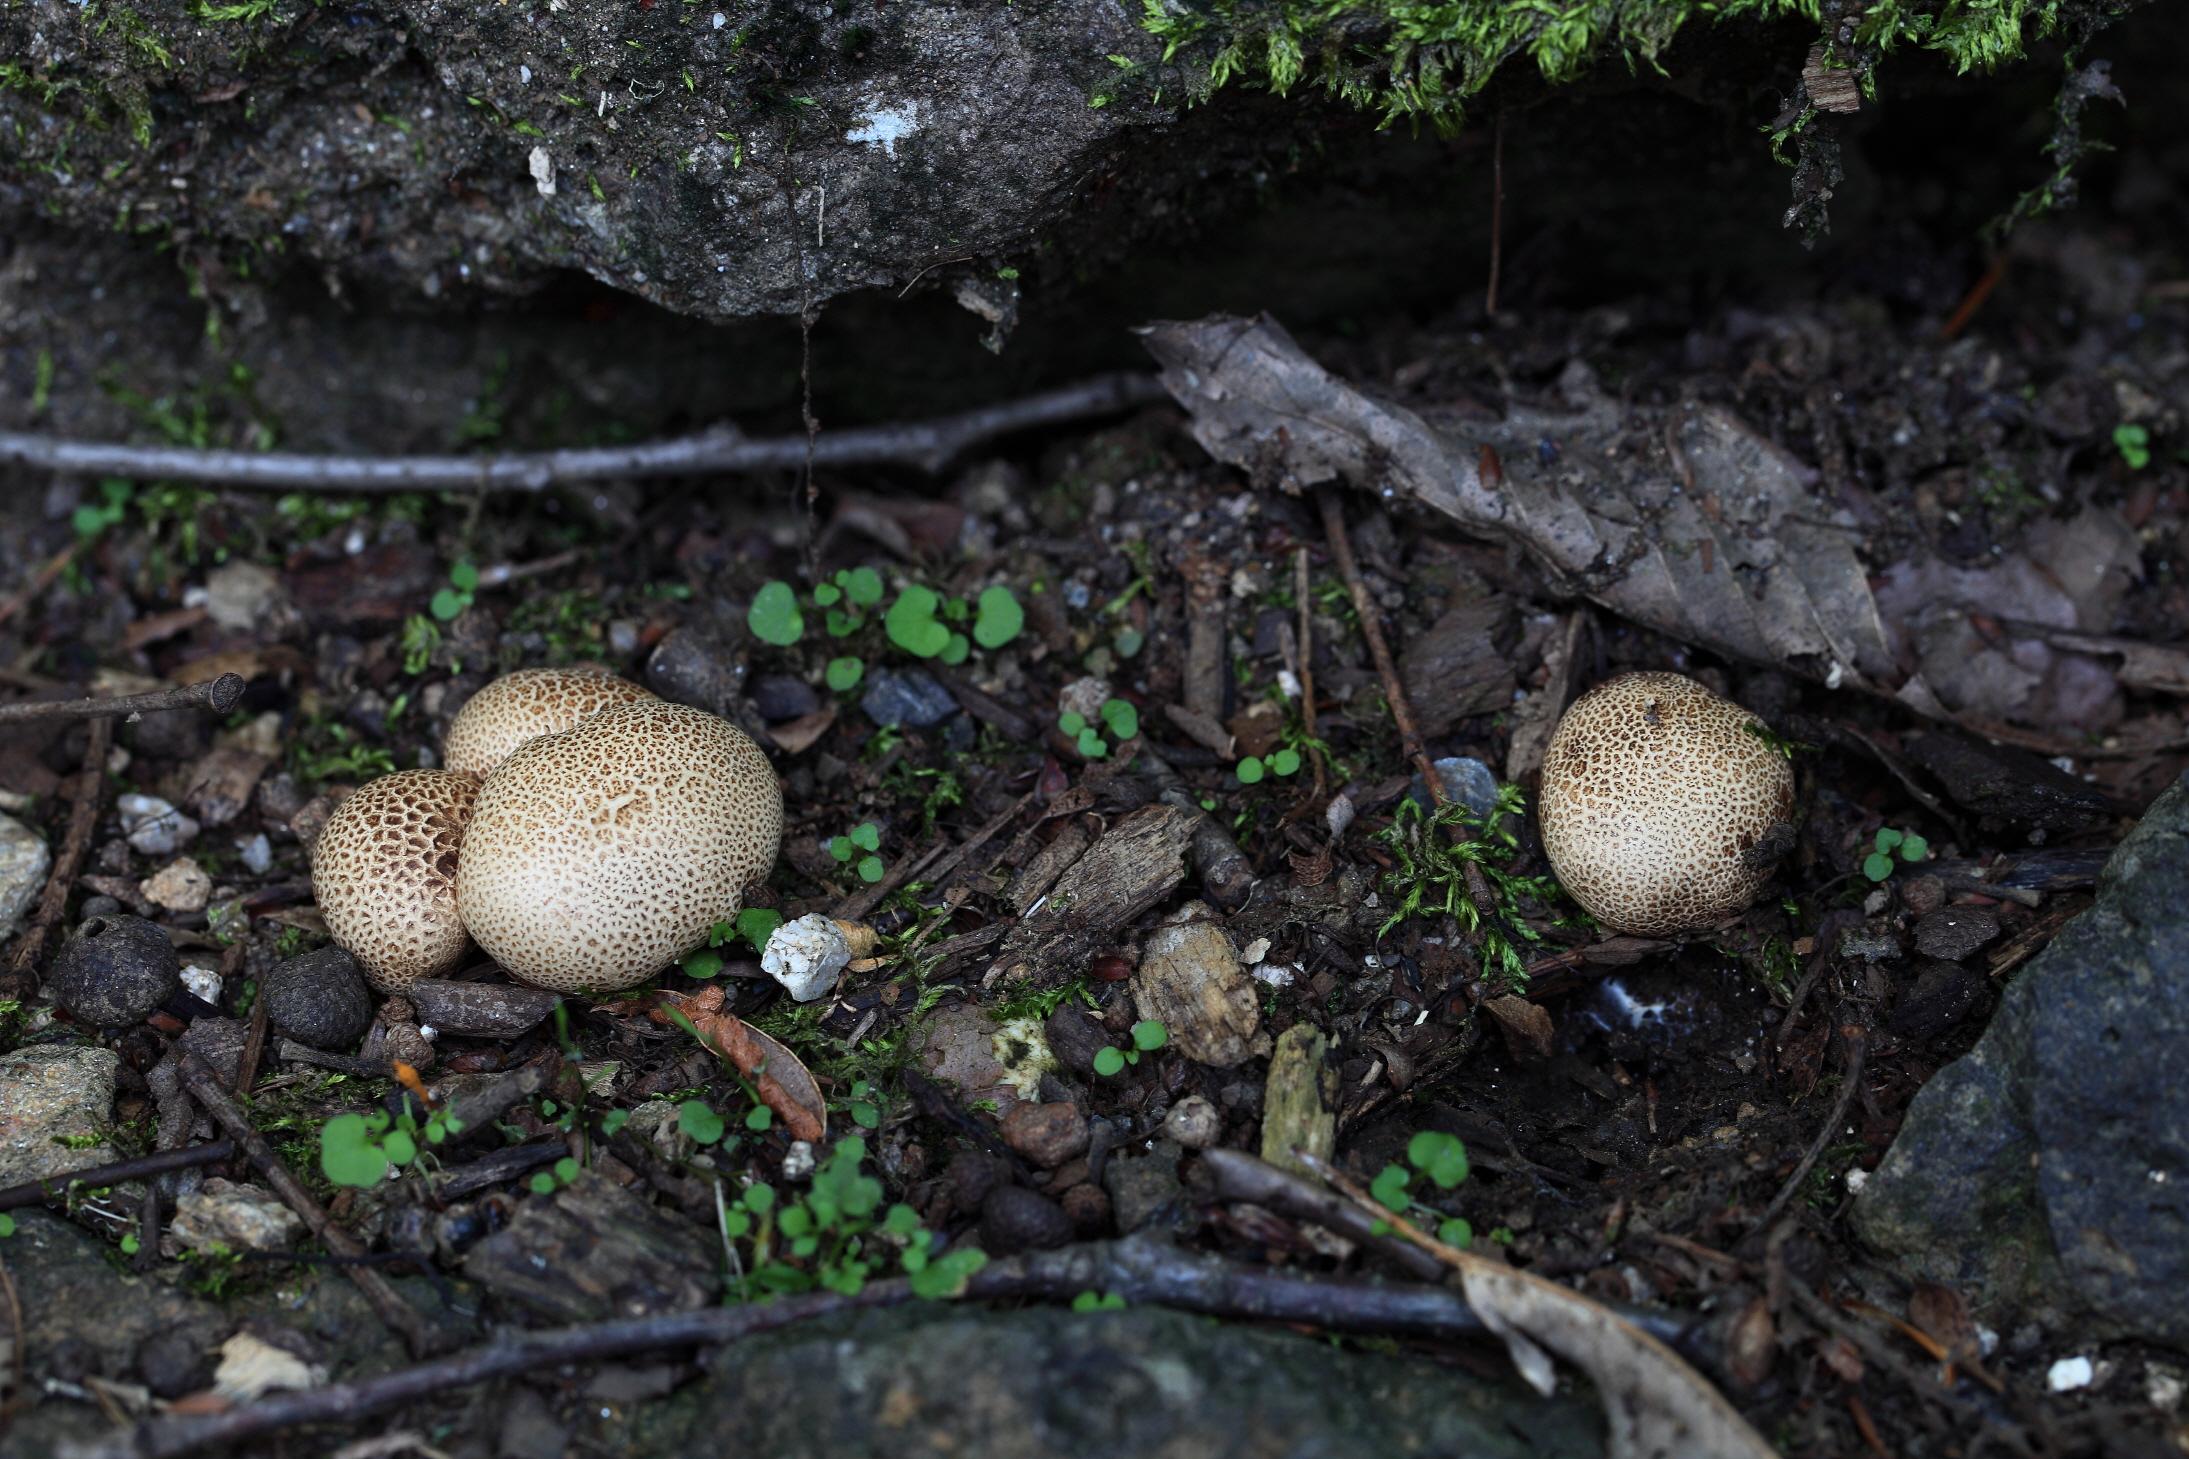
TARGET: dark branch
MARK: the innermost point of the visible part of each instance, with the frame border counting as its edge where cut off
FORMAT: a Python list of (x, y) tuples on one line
[(1140, 1269), (220, 696), (53, 1190), (928, 445)]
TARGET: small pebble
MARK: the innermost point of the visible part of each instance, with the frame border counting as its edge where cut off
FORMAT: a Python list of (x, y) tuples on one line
[(1046, 1134), (204, 983), (2069, 1374), (1954, 932), (114, 971), (1088, 1206), (781, 696), (179, 886), (1194, 1123), (319, 999), (798, 1161), (98, 907), (1014, 1218), (806, 956), (257, 853), (906, 696), (153, 826)]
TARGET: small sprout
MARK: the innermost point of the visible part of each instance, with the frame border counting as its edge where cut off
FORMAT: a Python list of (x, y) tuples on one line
[(1098, 1302), (348, 1154), (90, 520), (560, 1174), (1121, 717), (774, 616), (1249, 770), (613, 1122), (701, 962), (864, 837), (864, 1113), (451, 601), (759, 1118), (1285, 762), (1389, 1188), (698, 1121), (946, 1275), (843, 674), (1439, 1156), (1878, 865), (7, 1224), (2135, 445), (911, 623), (1129, 641), (1148, 1035), (956, 651), (1000, 618), (757, 924)]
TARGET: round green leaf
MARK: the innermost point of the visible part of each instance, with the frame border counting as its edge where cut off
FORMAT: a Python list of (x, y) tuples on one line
[(870, 868), (1439, 1156), (1000, 618), (465, 576), (774, 615), (447, 604), (699, 1122), (828, 595), (1887, 838), (1121, 717), (865, 1115), (566, 1170), (759, 1117), (1070, 723), (863, 585), (1456, 1232), (759, 1198), (1389, 1188), (956, 650), (702, 963), (347, 1156), (1877, 866), (757, 924), (841, 848), (1109, 1062), (866, 836), (542, 1184), (1249, 771), (614, 1120), (1285, 762), (1149, 1033), (1914, 848), (1128, 642), (911, 623), (843, 674), (1092, 745)]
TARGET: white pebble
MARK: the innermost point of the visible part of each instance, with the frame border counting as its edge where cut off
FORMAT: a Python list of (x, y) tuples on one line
[(1856, 1180), (257, 853), (2069, 1374), (203, 982), (806, 956), (798, 1164), (1339, 815)]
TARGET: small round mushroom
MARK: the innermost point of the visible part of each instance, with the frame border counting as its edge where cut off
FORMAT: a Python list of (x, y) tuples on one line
[(1661, 811), (525, 705), (384, 870), (599, 855)]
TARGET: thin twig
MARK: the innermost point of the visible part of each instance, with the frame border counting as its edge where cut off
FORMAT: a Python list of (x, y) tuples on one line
[(204, 1084), (1497, 216), (864, 900), (1817, 1310), (254, 1042), (1857, 1040), (1300, 589), (1341, 549), (929, 445), (54, 1189), (219, 695), (55, 566), (1139, 1269), (83, 818)]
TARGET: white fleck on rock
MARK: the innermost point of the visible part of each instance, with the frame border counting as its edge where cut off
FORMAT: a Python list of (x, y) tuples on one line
[(50, 1093), (179, 886), (2069, 1374), (1856, 1180), (153, 826), (885, 126), (798, 1161), (543, 171), (239, 593), (203, 982), (251, 1367), (257, 853), (806, 956), (1022, 1048), (233, 1216), (24, 862), (1339, 815)]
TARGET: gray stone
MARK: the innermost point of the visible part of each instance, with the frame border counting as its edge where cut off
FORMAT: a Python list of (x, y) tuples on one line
[(1014, 1219), (174, 1362), (1954, 932), (480, 1010), (1139, 1188), (691, 666), (72, 1294), (1048, 1383), (906, 696), (319, 999), (781, 696), (1940, 997), (529, 1429), (2049, 1169), (592, 1251), (52, 1092), (114, 971), (1456, 669), (24, 862)]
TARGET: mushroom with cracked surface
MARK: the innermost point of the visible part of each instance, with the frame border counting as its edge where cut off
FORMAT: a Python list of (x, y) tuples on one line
[(525, 705), (1662, 810), (599, 855), (384, 870)]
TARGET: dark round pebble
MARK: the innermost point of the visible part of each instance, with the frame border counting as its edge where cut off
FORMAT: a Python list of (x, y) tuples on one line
[(114, 972), (1047, 1134), (1088, 1206), (98, 907), (172, 1363), (1014, 1218), (319, 999), (780, 696), (973, 1174)]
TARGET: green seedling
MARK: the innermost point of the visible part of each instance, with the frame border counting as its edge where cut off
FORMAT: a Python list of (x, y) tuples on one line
[(855, 589), (1432, 850), (555, 1177), (452, 600), (358, 1149), (1082, 734), (912, 625), (865, 1113), (773, 617), (843, 674), (1098, 1302), (421, 636), (755, 925), (1443, 1159), (1878, 865), (700, 1122), (1148, 1036), (867, 837), (90, 520), (1788, 748), (2134, 443), (1252, 771), (999, 618)]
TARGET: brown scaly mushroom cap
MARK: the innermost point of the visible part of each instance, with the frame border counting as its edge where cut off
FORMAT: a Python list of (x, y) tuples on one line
[(384, 870), (525, 705), (1661, 812), (599, 855)]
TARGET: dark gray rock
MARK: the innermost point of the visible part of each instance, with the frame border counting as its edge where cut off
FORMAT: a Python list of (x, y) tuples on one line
[(1941, 996), (2049, 1168), (906, 696), (1457, 669), (1954, 932), (174, 1362), (692, 666), (114, 971), (319, 999), (2007, 786), (1047, 1383), (480, 1010), (592, 1251), (1140, 1187), (1015, 1219), (1075, 1039), (781, 696), (72, 1297)]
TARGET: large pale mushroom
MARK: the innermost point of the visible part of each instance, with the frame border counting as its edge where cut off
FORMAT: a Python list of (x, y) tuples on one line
[(1663, 810), (384, 871), (599, 855), (525, 705)]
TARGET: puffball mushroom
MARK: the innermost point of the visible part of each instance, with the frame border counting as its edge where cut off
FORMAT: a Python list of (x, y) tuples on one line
[(525, 705), (384, 870), (1662, 812), (597, 856)]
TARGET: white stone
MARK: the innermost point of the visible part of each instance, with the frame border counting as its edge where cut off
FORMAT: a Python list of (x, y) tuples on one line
[(229, 1216), (798, 1161), (238, 592), (1022, 1048), (202, 982), (2069, 1374), (251, 1367), (1338, 815), (1856, 1180), (257, 853), (153, 826), (24, 862), (51, 1092), (806, 956), (1085, 698)]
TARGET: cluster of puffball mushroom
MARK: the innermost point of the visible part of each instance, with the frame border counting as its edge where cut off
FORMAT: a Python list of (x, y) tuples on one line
[(585, 834)]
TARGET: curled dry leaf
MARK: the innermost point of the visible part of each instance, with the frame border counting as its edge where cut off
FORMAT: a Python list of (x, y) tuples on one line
[(785, 1085), (1654, 1403)]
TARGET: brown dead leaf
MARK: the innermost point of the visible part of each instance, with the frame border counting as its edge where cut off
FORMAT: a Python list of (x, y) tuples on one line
[(797, 736), (1752, 1344), (1941, 1312), (785, 1085), (1257, 729), (1526, 1026)]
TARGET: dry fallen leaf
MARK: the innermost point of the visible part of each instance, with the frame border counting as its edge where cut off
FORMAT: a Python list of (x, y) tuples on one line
[(785, 1085), (1526, 1026)]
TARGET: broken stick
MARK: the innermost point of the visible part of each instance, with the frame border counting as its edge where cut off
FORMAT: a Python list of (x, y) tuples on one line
[(82, 819), (219, 695)]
